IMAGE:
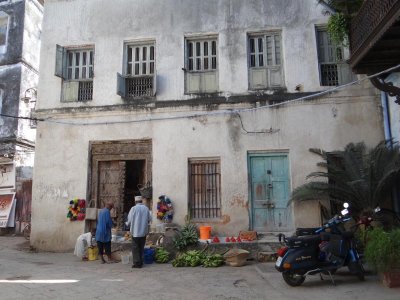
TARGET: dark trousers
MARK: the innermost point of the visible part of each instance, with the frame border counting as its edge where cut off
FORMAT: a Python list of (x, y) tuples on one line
[(104, 247), (138, 244)]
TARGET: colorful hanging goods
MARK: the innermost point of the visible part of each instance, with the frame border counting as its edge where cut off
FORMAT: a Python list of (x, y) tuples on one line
[(76, 209), (164, 209)]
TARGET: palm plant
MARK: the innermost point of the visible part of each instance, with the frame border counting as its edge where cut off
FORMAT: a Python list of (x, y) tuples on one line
[(364, 178)]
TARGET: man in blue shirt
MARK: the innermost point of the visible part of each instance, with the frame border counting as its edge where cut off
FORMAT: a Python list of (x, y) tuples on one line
[(138, 219), (103, 231)]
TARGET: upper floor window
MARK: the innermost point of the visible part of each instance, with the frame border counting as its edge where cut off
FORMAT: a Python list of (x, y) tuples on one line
[(265, 61), (201, 65), (76, 68), (333, 68), (138, 79), (3, 30), (80, 65)]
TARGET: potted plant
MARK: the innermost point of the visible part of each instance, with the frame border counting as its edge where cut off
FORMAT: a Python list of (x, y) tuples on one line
[(382, 253)]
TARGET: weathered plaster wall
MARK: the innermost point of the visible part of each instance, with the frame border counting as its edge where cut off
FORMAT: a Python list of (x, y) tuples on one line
[(11, 54), (107, 24), (61, 169), (19, 62), (10, 72), (62, 151), (10, 84), (32, 34)]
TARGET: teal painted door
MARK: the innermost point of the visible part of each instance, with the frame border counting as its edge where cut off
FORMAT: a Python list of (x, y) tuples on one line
[(269, 192)]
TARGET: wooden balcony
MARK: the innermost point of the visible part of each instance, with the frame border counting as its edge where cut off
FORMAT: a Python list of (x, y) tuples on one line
[(375, 37)]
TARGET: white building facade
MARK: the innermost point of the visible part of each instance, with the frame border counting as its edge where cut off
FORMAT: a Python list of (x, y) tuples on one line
[(191, 96)]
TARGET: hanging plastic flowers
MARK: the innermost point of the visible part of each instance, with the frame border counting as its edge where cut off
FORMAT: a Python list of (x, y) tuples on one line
[(76, 209), (165, 210)]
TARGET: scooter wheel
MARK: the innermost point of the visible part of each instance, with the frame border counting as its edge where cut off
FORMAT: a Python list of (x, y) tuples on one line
[(357, 269), (360, 271), (292, 278)]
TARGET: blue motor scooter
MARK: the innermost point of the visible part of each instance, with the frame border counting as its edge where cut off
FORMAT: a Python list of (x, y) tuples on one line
[(323, 252)]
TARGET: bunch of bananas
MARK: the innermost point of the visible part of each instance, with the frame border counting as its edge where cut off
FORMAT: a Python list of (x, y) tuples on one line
[(162, 255), (213, 261), (194, 258)]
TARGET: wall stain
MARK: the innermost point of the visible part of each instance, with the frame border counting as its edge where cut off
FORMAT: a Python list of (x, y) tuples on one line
[(226, 219), (239, 201)]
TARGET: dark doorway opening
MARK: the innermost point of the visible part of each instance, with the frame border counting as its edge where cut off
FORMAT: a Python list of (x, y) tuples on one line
[(134, 175)]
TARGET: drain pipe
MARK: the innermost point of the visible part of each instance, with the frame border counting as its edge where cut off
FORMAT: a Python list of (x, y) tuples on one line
[(388, 136), (386, 118)]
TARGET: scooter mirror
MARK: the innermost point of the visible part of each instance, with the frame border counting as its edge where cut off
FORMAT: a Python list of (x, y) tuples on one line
[(346, 205), (344, 212)]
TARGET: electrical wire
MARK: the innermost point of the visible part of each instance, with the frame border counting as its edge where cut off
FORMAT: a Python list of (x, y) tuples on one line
[(22, 118), (259, 131), (215, 113)]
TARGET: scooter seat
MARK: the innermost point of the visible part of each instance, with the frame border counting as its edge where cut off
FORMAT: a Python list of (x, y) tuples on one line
[(303, 241), (306, 231)]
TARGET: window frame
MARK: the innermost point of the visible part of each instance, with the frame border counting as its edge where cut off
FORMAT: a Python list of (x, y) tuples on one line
[(276, 61), (200, 80), (191, 46), (89, 66), (148, 62), (75, 88), (203, 205), (340, 65), (4, 16), (145, 85)]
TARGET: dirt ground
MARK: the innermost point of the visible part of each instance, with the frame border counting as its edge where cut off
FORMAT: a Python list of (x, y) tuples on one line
[(29, 275)]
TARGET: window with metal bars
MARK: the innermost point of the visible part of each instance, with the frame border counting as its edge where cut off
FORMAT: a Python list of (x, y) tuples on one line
[(75, 67), (205, 189), (138, 79), (265, 61), (333, 68)]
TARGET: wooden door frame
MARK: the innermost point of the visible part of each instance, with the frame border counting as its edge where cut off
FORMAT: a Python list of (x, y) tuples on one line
[(262, 153), (119, 150)]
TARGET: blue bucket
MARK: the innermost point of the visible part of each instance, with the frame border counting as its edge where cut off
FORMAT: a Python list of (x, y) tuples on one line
[(149, 255)]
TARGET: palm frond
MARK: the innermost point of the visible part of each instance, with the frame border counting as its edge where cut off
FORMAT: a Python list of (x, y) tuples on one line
[(363, 177)]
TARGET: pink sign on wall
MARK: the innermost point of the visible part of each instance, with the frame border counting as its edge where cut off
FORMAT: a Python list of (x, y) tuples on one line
[(7, 210)]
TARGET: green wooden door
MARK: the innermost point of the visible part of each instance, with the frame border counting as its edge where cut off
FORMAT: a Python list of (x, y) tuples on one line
[(269, 192)]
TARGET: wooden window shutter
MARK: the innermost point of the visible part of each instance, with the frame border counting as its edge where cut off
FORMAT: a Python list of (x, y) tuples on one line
[(61, 62), (121, 85), (154, 83)]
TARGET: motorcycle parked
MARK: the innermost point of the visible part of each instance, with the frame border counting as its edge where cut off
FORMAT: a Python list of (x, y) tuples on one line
[(327, 249)]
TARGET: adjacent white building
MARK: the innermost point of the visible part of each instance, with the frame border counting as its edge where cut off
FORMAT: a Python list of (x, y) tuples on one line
[(199, 99), (20, 33)]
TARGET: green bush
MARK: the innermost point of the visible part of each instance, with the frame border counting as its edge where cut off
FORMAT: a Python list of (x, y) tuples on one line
[(338, 29), (382, 249)]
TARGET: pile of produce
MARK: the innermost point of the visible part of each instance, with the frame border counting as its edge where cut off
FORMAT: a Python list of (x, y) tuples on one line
[(213, 261), (188, 236), (161, 256), (194, 258)]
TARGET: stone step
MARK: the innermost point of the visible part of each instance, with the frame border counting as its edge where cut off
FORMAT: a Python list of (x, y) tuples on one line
[(260, 250)]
